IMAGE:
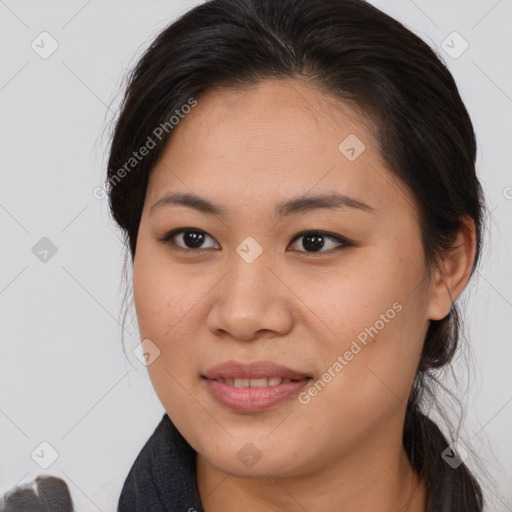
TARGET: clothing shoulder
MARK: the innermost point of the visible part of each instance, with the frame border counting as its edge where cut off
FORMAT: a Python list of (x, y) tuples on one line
[(45, 493)]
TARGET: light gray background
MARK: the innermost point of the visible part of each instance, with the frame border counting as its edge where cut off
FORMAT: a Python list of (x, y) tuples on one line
[(63, 376)]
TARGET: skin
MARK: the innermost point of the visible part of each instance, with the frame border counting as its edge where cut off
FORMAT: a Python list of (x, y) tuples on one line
[(248, 150)]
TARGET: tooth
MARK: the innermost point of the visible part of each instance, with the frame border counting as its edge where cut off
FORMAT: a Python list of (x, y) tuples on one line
[(258, 383), (254, 383)]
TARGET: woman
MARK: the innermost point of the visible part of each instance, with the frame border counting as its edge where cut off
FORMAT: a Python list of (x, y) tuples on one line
[(296, 184)]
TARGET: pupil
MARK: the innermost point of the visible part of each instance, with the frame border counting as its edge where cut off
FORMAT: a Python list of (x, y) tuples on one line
[(313, 242), (193, 238)]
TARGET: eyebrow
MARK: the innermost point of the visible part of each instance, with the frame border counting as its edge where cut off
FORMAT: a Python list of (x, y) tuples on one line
[(292, 206)]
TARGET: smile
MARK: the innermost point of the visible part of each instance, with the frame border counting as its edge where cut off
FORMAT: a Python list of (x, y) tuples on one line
[(254, 383)]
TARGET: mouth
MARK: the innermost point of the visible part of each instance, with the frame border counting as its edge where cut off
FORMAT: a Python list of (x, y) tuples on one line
[(254, 371), (253, 387), (257, 383)]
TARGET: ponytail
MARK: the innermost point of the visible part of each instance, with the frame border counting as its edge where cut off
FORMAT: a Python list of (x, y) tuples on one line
[(449, 489)]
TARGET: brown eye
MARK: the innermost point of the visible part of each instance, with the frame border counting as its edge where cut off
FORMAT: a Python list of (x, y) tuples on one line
[(187, 238), (316, 241), (190, 239)]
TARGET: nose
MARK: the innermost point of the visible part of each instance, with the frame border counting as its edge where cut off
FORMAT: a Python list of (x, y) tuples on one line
[(251, 301)]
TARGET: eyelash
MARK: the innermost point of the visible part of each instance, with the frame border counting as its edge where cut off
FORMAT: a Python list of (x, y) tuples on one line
[(167, 239)]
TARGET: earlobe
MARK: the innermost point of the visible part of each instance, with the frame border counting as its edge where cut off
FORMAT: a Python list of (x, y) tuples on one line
[(453, 272)]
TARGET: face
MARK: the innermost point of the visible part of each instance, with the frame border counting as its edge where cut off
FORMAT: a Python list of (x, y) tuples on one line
[(335, 290)]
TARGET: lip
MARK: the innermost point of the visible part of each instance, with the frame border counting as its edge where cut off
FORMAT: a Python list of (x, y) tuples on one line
[(252, 370), (252, 399)]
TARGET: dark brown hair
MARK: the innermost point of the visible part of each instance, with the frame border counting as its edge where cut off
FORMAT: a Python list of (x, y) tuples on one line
[(355, 52)]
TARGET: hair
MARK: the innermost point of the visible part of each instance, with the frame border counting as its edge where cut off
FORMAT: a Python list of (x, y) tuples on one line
[(365, 58)]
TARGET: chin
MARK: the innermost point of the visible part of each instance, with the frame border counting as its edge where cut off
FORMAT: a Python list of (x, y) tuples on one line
[(253, 460)]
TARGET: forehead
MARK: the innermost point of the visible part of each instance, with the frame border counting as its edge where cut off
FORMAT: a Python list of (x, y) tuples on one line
[(283, 112), (282, 136)]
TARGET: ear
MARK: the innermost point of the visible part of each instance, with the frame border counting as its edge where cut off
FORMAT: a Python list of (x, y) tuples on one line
[(453, 272)]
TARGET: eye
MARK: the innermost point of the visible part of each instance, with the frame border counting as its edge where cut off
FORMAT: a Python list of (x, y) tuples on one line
[(315, 241), (193, 239)]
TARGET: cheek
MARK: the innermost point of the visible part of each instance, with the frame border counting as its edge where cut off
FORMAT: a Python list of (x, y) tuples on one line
[(164, 317), (167, 301), (365, 295), (375, 314), (161, 295)]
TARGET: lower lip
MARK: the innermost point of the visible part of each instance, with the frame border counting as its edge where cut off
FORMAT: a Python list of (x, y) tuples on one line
[(249, 399)]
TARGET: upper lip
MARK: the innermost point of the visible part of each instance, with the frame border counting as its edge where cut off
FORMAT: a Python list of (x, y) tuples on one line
[(252, 370)]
